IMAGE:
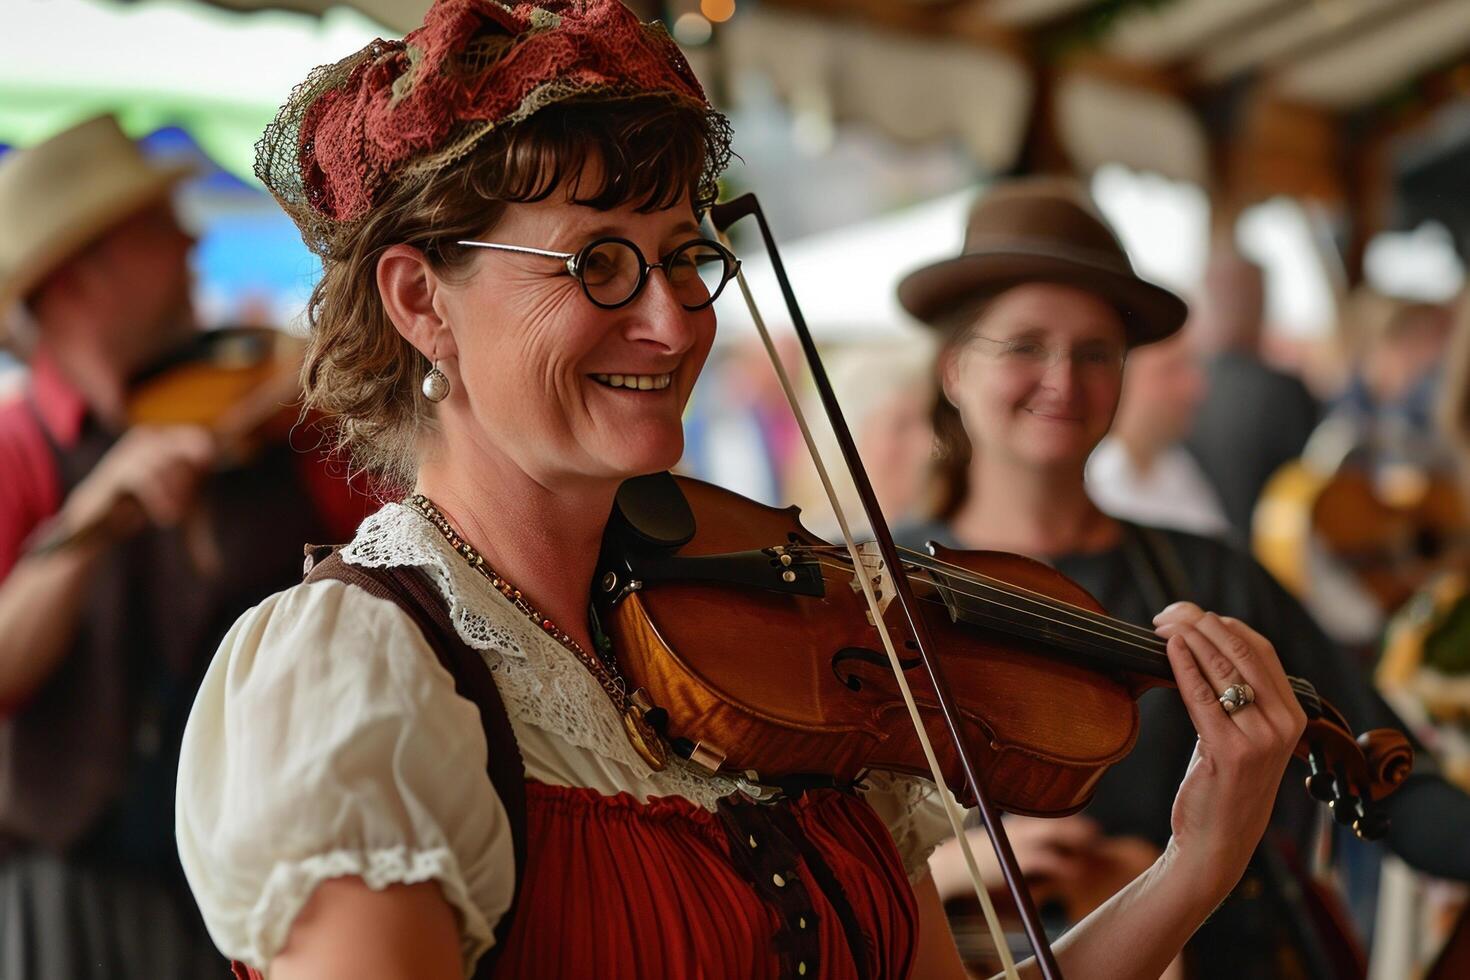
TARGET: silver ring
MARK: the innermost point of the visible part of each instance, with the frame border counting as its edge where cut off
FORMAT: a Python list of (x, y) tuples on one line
[(1236, 696)]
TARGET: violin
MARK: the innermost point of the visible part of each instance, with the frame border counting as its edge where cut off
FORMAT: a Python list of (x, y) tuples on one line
[(240, 383), (754, 650), (1391, 531)]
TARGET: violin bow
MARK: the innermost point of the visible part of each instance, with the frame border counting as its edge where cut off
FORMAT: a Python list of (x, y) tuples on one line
[(722, 216)]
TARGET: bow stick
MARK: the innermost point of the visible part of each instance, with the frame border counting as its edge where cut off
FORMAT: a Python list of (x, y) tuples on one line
[(722, 216)]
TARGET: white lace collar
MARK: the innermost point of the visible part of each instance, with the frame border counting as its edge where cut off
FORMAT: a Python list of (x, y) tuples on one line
[(541, 682)]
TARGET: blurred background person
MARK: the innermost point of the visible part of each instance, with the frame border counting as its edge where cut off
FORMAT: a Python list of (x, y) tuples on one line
[(1424, 673), (741, 433), (1253, 418), (1141, 471), (885, 391), (1400, 348), (125, 553), (1031, 363), (1371, 510)]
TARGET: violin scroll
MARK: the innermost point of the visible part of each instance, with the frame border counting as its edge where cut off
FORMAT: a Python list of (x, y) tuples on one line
[(1389, 758), (1352, 774)]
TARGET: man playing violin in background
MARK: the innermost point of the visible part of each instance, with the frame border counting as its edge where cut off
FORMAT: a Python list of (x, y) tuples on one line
[(106, 611), (1038, 317)]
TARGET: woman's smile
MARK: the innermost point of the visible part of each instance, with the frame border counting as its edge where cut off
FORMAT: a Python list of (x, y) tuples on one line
[(634, 382), (1054, 415)]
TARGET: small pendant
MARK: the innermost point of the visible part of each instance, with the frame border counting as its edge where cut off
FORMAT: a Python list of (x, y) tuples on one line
[(644, 739)]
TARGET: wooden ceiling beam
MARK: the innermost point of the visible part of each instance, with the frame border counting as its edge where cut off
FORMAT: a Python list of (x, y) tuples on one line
[(1358, 27), (964, 20), (1024, 13), (1263, 18), (1163, 80), (1280, 147), (1250, 50)]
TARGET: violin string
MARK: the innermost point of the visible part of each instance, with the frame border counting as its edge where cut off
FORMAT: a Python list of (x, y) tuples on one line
[(1061, 605), (960, 573), (1054, 607), (1156, 646), (1143, 633), (1138, 637)]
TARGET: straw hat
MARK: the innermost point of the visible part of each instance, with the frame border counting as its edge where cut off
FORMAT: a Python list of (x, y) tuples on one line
[(1041, 230), (58, 196)]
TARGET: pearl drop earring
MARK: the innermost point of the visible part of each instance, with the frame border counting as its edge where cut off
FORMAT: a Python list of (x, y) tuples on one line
[(436, 384)]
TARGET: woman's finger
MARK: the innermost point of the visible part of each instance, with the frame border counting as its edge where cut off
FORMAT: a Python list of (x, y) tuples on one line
[(1178, 613), (1200, 699), (1220, 672), (1269, 655)]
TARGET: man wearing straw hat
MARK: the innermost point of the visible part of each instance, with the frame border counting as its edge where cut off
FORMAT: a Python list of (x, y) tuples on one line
[(102, 636)]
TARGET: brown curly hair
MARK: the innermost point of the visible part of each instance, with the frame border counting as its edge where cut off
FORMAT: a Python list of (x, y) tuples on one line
[(359, 372), (952, 447)]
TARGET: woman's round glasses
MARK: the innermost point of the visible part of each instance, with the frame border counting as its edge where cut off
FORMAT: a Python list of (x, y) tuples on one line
[(613, 271)]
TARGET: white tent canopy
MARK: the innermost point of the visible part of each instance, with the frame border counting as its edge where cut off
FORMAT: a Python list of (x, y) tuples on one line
[(218, 74), (845, 279)]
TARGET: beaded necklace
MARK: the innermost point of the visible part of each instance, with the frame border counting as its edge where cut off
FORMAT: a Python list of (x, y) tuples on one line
[(642, 736)]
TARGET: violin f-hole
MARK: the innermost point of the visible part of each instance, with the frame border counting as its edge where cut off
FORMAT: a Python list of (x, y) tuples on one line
[(852, 681)]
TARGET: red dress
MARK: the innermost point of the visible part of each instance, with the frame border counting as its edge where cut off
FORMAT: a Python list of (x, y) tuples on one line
[(614, 888)]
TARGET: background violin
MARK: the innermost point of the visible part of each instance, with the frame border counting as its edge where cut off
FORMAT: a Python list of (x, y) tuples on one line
[(748, 638), (242, 384), (1392, 531)]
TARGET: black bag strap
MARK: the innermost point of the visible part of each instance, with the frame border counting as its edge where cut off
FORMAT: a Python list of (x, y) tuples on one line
[(410, 589), (1157, 566)]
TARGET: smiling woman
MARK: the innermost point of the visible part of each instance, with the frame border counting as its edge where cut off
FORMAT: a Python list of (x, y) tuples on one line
[(424, 761), (360, 369), (509, 202)]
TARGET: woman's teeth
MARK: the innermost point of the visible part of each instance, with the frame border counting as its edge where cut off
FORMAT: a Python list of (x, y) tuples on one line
[(642, 382)]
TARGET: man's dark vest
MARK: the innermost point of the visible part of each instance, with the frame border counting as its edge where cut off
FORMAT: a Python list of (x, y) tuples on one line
[(88, 764)]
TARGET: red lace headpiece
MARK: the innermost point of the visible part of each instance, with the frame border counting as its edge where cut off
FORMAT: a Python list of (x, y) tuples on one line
[(397, 110)]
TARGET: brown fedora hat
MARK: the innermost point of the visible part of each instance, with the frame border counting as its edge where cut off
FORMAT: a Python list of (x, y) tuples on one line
[(1041, 229)]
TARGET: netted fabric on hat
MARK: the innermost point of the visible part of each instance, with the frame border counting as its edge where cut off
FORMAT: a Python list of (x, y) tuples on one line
[(397, 111)]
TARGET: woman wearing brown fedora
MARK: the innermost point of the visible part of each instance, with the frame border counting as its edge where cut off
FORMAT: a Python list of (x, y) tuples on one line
[(421, 762), (1037, 317)]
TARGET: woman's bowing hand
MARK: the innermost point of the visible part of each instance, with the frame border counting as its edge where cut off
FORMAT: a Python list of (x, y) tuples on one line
[(1225, 799)]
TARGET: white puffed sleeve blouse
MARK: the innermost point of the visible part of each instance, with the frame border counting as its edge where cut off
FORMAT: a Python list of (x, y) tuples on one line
[(327, 741)]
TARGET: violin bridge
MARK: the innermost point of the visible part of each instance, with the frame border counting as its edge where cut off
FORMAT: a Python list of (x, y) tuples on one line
[(876, 570)]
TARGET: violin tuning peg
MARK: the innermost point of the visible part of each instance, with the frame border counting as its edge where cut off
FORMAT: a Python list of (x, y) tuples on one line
[(1371, 824), (1320, 783), (1344, 809)]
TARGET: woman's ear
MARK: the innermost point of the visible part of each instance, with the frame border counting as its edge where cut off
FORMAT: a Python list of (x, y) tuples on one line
[(407, 285), (949, 372)]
